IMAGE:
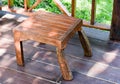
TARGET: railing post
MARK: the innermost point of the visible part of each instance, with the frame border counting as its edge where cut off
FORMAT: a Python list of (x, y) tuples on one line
[(10, 4), (115, 24), (93, 12), (26, 4), (0, 4), (73, 7)]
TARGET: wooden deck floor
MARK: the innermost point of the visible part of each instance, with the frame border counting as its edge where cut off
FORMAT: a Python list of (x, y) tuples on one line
[(41, 65)]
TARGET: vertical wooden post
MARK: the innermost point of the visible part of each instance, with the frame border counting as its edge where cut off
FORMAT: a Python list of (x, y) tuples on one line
[(0, 5), (115, 24), (73, 7), (93, 12), (10, 3), (26, 4)]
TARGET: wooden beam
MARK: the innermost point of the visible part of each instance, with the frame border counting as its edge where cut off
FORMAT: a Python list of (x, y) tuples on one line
[(10, 4), (73, 7), (97, 26), (0, 5), (26, 4), (62, 7), (34, 5), (93, 12), (115, 25)]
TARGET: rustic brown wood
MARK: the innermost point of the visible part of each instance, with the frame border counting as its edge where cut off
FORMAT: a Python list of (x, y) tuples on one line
[(85, 43), (34, 5), (73, 7), (93, 12), (62, 7), (38, 28), (11, 5), (59, 4), (18, 48), (26, 4), (0, 5), (97, 26), (115, 25), (63, 65)]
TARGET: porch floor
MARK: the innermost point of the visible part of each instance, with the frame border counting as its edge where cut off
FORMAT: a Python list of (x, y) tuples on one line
[(41, 66)]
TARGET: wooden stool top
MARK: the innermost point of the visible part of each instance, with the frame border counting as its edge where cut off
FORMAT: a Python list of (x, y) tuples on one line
[(50, 28)]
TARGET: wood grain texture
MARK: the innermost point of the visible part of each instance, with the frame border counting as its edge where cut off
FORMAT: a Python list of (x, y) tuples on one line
[(18, 48), (73, 7), (51, 31), (97, 26), (67, 75), (62, 7), (115, 25), (85, 43), (34, 5), (0, 5), (93, 12), (26, 4), (11, 5)]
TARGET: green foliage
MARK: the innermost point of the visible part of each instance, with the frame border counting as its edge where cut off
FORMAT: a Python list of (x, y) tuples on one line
[(83, 10)]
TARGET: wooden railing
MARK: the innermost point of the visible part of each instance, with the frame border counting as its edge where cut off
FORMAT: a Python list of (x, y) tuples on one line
[(90, 24), (63, 9)]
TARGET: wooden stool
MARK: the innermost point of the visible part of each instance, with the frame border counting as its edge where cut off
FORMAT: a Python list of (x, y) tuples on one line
[(51, 29)]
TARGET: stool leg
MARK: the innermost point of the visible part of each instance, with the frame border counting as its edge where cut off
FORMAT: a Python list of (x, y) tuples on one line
[(19, 49), (67, 75), (85, 43)]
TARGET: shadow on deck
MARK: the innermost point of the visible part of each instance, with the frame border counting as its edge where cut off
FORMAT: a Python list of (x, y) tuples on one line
[(41, 65)]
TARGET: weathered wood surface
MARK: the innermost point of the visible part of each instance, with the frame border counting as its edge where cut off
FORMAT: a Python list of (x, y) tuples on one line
[(0, 5), (85, 43), (19, 49), (66, 72), (26, 4), (93, 12), (73, 7), (48, 30), (11, 6), (41, 61), (115, 25), (62, 7), (34, 5), (97, 26)]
